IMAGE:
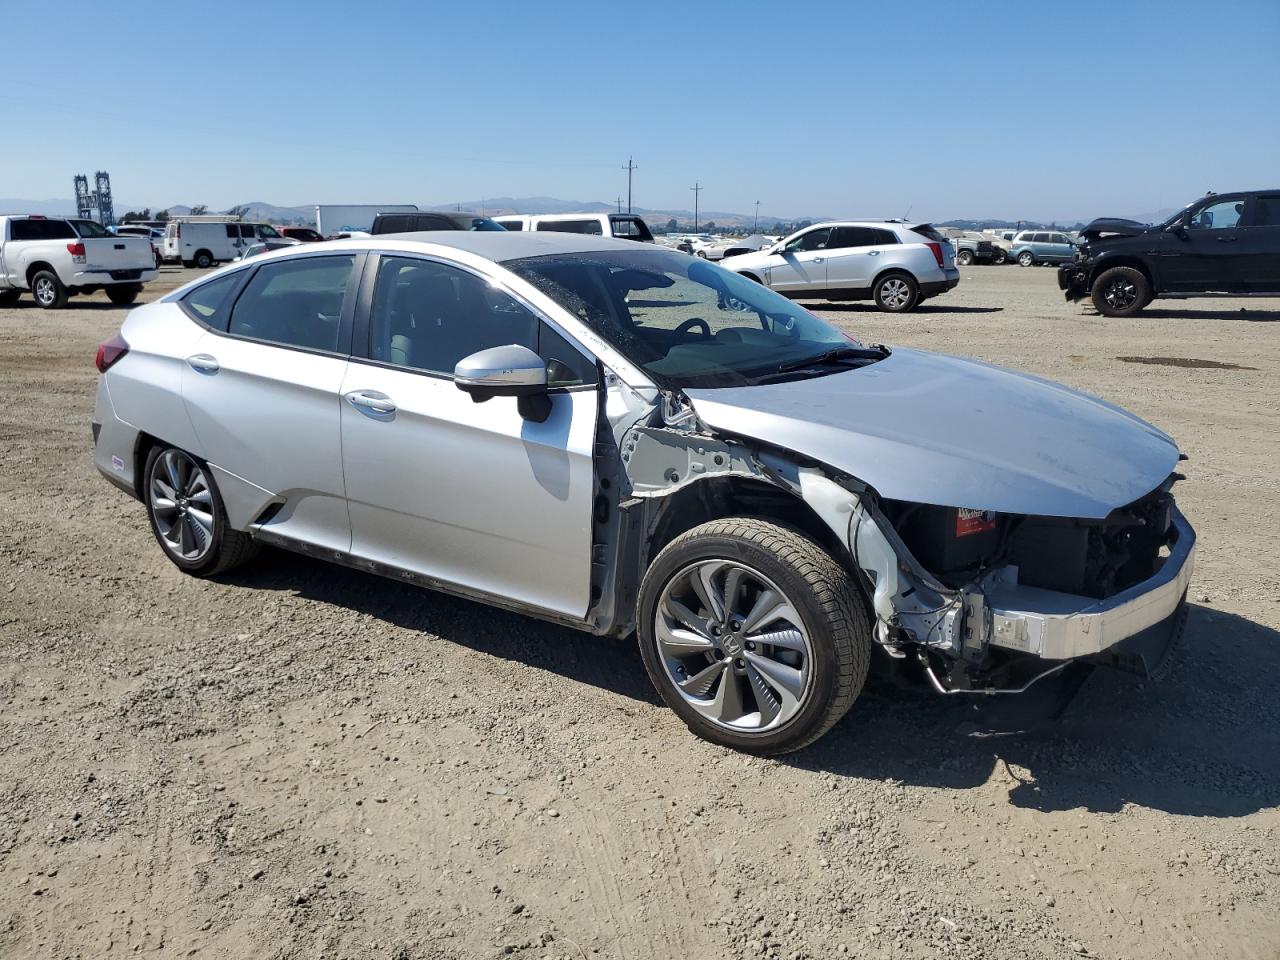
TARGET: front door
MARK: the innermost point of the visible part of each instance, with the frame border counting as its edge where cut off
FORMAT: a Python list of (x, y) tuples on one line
[(801, 266), (470, 494), (1208, 250), (263, 396), (1260, 245)]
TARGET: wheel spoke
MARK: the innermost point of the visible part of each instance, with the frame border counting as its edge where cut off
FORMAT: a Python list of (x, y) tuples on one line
[(786, 680), (702, 579), (164, 504), (788, 638), (701, 682), (732, 587), (680, 642), (769, 606), (199, 535), (768, 702), (682, 615), (171, 469)]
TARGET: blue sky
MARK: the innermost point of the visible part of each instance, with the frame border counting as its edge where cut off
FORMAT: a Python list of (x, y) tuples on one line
[(1034, 110)]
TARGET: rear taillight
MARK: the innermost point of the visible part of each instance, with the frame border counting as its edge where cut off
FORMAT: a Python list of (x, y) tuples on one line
[(109, 352), (77, 252), (937, 252)]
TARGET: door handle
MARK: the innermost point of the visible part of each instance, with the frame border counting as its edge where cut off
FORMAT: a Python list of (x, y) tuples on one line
[(371, 401), (817, 260), (873, 253), (1226, 239), (203, 363)]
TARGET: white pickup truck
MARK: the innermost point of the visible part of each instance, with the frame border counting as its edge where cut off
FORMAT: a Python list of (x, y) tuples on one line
[(56, 257)]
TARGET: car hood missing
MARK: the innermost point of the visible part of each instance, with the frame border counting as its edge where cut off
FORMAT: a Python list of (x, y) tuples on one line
[(928, 428)]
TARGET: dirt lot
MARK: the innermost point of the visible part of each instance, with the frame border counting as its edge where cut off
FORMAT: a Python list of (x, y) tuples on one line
[(301, 761)]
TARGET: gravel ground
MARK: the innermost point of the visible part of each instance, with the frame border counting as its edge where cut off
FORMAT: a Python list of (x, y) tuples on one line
[(302, 761)]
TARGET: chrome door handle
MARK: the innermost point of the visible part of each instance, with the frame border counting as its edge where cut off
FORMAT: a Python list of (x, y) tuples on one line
[(203, 363), (371, 401), (817, 260), (873, 253)]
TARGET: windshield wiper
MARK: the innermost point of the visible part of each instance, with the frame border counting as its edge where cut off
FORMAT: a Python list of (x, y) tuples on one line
[(833, 356)]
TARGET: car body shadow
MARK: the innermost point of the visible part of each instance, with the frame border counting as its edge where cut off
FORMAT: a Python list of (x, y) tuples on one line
[(1241, 313), (869, 307), (609, 663), (1205, 741)]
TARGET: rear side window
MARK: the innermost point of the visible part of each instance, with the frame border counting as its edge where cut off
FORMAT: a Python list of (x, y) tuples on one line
[(516, 225), (295, 303), (41, 230), (233, 231), (207, 303), (842, 238), (572, 226), (1266, 211)]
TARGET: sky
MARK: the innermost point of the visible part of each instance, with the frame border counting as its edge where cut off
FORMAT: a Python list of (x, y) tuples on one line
[(1046, 111)]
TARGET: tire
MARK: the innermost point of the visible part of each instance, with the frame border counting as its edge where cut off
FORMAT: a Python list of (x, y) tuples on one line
[(189, 264), (1121, 292), (799, 686), (204, 260), (123, 294), (701, 255), (1026, 259), (9, 297), (897, 293), (999, 257), (196, 516), (48, 290), (964, 258)]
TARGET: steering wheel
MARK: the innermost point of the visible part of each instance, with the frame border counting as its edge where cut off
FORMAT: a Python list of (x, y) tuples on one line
[(692, 322)]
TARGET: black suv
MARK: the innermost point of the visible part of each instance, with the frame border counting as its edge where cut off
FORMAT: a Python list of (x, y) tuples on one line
[(1225, 244), (430, 220)]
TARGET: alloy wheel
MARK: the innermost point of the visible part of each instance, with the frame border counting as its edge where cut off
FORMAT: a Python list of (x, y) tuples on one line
[(895, 293), (734, 646), (181, 501), (44, 290), (1120, 293)]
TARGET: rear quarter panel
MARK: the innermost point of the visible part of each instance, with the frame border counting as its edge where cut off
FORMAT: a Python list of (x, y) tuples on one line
[(146, 384)]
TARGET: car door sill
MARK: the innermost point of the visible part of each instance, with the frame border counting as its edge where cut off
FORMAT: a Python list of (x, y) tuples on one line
[(392, 572)]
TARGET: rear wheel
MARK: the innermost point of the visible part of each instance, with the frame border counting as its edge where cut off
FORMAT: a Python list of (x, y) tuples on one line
[(204, 259), (1026, 259), (187, 515), (48, 290), (1121, 292), (964, 258), (753, 635), (123, 295), (897, 293)]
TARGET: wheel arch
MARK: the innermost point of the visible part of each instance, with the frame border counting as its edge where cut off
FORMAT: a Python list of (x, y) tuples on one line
[(37, 267), (1122, 260), (889, 271)]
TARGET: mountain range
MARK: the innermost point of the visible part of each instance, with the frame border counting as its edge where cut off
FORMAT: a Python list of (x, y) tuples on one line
[(303, 215)]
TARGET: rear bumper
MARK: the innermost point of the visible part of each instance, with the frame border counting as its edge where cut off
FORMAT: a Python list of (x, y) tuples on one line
[(932, 288), (1061, 626), (97, 276), (1073, 280)]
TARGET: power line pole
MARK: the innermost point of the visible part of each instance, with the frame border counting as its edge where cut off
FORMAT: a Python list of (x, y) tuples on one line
[(629, 168), (697, 188), (619, 204), (755, 228)]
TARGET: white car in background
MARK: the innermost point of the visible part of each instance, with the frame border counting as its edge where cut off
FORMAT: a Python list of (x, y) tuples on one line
[(622, 226), (895, 263)]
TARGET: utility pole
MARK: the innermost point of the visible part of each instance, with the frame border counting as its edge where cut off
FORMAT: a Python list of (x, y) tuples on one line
[(619, 204), (697, 188), (629, 167), (755, 227)]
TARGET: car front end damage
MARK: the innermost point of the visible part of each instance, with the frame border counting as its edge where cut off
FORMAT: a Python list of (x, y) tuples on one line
[(1073, 277)]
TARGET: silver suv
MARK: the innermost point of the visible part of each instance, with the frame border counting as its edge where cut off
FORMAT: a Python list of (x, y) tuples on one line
[(627, 440), (897, 264)]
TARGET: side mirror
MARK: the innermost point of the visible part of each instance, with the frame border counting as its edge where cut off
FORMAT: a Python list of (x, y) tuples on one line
[(508, 371)]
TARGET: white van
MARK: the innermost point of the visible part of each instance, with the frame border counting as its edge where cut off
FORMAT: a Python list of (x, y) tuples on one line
[(203, 242), (624, 226)]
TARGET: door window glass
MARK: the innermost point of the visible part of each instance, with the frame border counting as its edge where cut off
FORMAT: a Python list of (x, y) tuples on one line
[(297, 302), (429, 315), (884, 237), (813, 240), (206, 302), (845, 237), (1266, 211), (1222, 215), (233, 231), (572, 226)]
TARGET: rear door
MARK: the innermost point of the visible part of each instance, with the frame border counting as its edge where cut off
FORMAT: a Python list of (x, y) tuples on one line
[(469, 494), (1259, 242), (262, 391), (801, 266), (852, 254)]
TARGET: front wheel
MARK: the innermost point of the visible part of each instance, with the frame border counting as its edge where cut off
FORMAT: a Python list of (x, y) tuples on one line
[(1026, 259), (48, 290), (1121, 292), (187, 515), (896, 293), (964, 258), (122, 296), (753, 635), (1000, 257)]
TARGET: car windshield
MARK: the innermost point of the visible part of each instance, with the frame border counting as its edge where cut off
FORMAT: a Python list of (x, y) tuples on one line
[(89, 228), (686, 322)]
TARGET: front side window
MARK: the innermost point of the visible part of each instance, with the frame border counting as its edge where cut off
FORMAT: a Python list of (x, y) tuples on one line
[(686, 322), (266, 230), (813, 240), (1222, 215), (428, 316), (295, 303)]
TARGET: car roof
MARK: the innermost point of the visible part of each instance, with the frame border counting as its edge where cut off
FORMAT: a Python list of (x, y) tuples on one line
[(503, 245)]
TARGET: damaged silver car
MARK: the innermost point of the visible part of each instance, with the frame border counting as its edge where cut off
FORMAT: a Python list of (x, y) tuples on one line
[(629, 440)]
